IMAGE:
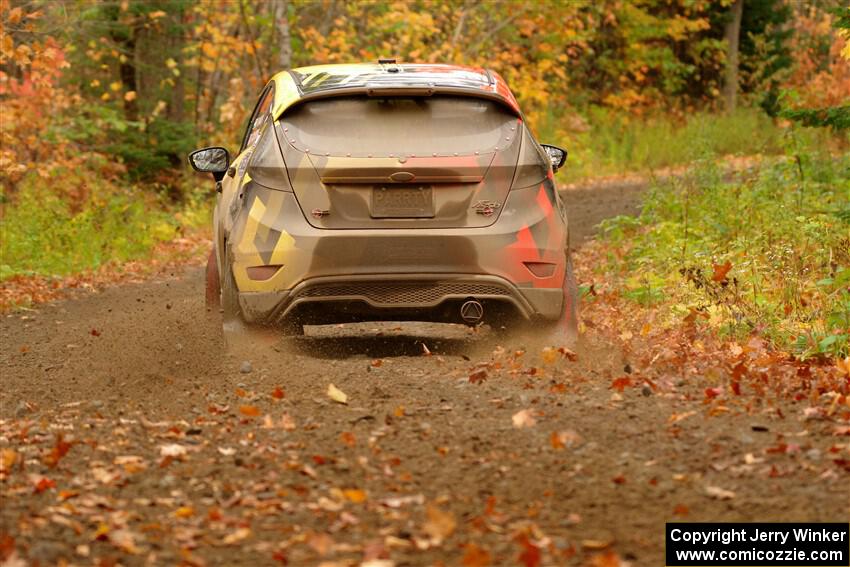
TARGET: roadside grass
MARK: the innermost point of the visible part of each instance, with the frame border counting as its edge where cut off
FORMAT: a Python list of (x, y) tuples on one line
[(45, 233), (609, 143), (766, 252)]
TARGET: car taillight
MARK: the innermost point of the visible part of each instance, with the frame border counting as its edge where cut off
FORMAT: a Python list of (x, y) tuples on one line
[(262, 273), (541, 269)]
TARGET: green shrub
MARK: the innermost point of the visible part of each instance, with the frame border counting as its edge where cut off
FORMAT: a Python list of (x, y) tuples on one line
[(42, 233), (615, 143), (784, 234)]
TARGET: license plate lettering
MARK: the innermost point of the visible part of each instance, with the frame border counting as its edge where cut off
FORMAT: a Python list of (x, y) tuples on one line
[(402, 202)]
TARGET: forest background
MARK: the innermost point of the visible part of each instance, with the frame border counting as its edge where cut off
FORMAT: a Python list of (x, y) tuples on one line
[(100, 102)]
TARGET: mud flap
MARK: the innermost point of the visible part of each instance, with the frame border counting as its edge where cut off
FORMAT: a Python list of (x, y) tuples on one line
[(213, 286), (564, 331)]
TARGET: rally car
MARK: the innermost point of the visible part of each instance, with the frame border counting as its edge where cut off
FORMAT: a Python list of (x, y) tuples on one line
[(390, 191)]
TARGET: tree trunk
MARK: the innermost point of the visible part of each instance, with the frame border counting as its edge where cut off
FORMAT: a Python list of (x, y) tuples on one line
[(127, 71), (733, 33), (176, 42), (284, 39)]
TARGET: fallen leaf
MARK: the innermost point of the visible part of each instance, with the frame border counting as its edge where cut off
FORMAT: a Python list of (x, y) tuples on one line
[(237, 536), (680, 510), (564, 439), (60, 449), (841, 430), (475, 556), (320, 542), (843, 366), (530, 555), (125, 540), (568, 354), (250, 411), (287, 422), (8, 457), (596, 543), (278, 394), (438, 524), (719, 493), (478, 377), (184, 512), (607, 559), (720, 271), (711, 393), (677, 417), (620, 384), (354, 495), (348, 438), (337, 395), (172, 450), (42, 483), (523, 418)]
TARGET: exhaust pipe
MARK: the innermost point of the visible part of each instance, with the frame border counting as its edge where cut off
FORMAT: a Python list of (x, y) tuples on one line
[(472, 312)]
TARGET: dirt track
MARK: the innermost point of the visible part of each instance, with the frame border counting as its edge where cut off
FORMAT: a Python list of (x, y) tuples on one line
[(420, 464)]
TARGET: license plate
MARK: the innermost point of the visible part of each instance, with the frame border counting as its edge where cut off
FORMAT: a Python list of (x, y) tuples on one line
[(403, 202)]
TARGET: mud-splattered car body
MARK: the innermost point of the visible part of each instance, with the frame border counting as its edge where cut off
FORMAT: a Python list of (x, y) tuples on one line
[(384, 191)]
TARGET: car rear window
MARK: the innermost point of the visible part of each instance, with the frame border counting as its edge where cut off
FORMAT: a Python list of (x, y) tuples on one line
[(399, 126)]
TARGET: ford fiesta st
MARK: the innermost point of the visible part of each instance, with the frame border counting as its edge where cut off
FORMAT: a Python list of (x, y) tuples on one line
[(403, 192)]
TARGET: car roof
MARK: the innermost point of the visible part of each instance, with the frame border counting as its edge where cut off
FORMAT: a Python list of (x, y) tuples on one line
[(388, 77)]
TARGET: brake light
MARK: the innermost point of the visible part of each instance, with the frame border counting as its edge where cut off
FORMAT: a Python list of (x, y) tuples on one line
[(541, 269), (262, 273)]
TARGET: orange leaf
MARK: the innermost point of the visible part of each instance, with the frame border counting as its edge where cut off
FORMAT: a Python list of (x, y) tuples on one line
[(250, 411), (439, 524), (474, 556), (59, 450), (8, 457), (720, 271), (355, 495), (184, 512), (348, 438), (530, 556), (713, 392), (43, 484), (478, 376), (555, 440), (607, 559), (621, 383), (278, 394)]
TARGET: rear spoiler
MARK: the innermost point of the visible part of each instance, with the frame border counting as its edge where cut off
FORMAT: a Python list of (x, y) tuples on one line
[(402, 91)]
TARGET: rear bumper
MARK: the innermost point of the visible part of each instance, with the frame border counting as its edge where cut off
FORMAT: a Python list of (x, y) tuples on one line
[(377, 295), (387, 270)]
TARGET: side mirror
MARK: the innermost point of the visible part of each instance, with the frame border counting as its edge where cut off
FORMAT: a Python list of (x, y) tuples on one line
[(556, 155), (213, 160)]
